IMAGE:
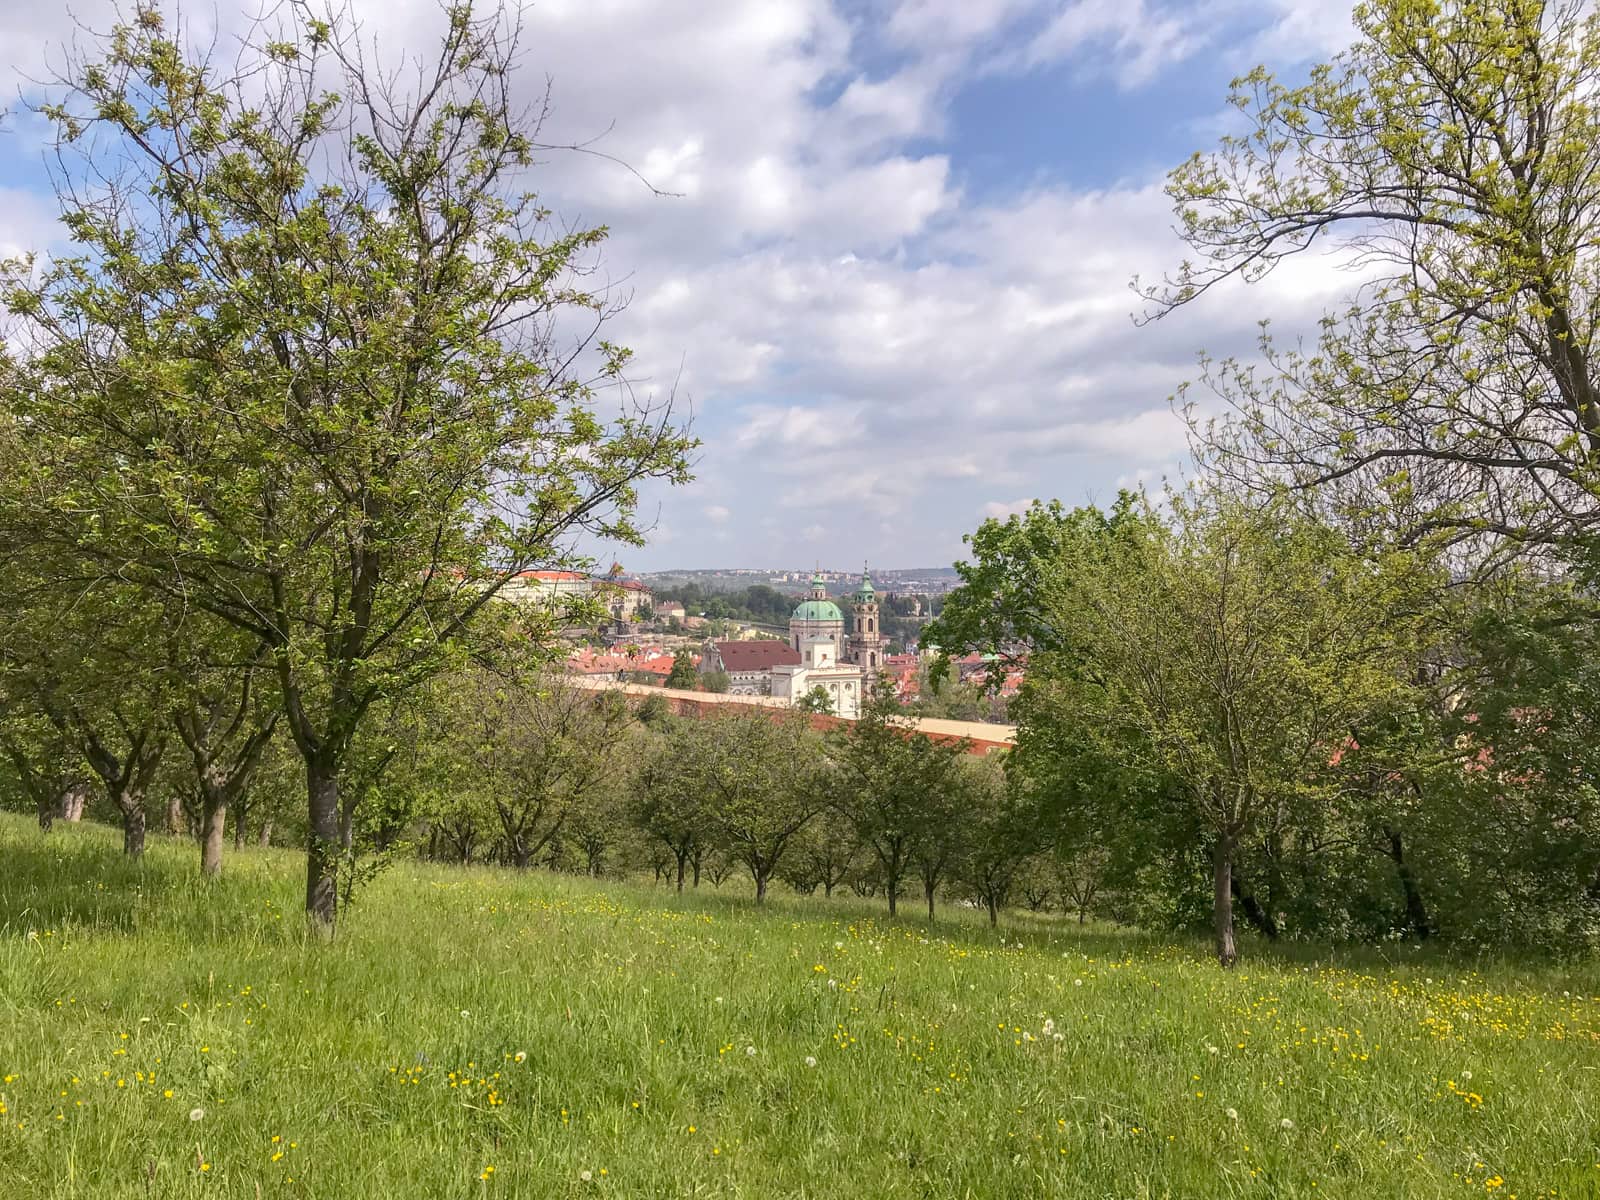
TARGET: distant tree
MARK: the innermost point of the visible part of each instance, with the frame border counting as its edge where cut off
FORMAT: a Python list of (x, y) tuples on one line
[(893, 779), (715, 681), (1002, 828), (683, 674), (668, 804), (816, 700), (759, 778)]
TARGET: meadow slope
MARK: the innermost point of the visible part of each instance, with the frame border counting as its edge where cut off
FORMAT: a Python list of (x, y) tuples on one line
[(483, 1034)]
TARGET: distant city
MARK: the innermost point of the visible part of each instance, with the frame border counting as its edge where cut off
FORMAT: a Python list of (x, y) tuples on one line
[(934, 581)]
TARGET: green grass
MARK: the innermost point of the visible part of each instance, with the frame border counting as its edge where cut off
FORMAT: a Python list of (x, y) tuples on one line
[(386, 1063)]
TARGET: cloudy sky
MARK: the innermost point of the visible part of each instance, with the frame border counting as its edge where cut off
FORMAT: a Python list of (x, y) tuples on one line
[(892, 275)]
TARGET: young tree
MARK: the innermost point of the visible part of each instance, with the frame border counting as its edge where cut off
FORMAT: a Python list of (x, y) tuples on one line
[(1003, 829), (668, 804), (225, 711), (323, 362), (760, 776), (893, 781)]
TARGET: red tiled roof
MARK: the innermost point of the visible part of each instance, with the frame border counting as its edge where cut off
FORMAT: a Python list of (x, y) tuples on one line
[(757, 655), (552, 576)]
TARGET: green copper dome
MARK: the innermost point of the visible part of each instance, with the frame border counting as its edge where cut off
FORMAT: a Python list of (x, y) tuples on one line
[(818, 610), (865, 594)]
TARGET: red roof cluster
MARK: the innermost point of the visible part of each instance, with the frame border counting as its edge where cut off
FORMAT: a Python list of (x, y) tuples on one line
[(650, 660)]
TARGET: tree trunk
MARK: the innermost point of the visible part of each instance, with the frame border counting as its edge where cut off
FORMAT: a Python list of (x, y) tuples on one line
[(322, 843), (47, 812), (177, 824), (1416, 909), (133, 829), (894, 893), (212, 830), (72, 802), (994, 914), (1259, 917), (238, 826), (1222, 900), (827, 890), (930, 888), (682, 858), (264, 834), (761, 889)]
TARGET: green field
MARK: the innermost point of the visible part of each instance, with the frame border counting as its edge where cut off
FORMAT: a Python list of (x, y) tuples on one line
[(484, 1034)]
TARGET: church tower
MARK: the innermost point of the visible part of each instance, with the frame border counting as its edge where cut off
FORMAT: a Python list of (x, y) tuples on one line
[(866, 635)]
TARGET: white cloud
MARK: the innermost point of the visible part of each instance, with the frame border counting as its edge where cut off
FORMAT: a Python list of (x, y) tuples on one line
[(874, 345), (1000, 509)]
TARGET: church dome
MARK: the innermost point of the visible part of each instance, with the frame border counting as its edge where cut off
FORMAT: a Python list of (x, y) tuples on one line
[(818, 610)]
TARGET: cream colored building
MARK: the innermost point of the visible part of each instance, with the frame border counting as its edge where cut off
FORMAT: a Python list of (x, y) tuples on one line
[(819, 667)]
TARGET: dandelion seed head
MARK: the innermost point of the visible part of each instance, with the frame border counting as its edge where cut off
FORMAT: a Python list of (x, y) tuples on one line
[(196, 1113)]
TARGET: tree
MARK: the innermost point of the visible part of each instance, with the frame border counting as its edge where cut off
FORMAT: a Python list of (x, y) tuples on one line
[(1454, 152), (760, 776), (816, 700), (827, 851), (225, 711), (322, 366), (682, 674), (668, 804), (893, 779), (1003, 828), (1238, 647)]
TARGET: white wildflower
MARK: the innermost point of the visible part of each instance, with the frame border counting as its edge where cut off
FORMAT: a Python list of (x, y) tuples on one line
[(1286, 1124), (1212, 1050), (1049, 1025), (196, 1113), (585, 1176), (811, 1060), (1077, 983), (1467, 1075), (1233, 1114), (750, 1051)]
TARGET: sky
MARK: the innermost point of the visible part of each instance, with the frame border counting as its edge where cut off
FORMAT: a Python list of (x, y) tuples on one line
[(885, 256)]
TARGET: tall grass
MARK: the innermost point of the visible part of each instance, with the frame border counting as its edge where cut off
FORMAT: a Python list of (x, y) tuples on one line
[(484, 1034)]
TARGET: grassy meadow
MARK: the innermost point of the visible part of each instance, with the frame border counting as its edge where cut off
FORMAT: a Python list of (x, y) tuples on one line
[(482, 1034)]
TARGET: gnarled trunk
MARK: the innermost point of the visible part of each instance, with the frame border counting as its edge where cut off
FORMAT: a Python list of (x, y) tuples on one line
[(264, 834), (177, 823), (213, 826), (132, 826), (1416, 909)]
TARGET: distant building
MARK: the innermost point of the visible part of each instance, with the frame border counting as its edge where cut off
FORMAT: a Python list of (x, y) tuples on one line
[(748, 665), (819, 667)]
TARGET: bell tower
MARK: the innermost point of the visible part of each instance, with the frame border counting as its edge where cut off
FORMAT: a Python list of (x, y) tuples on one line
[(866, 635)]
